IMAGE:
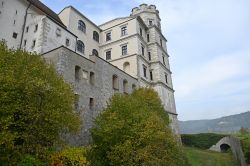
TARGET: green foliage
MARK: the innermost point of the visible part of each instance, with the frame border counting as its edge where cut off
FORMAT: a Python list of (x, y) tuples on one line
[(243, 131), (29, 160), (198, 157), (36, 106), (246, 149), (133, 130), (202, 141), (70, 157), (244, 135)]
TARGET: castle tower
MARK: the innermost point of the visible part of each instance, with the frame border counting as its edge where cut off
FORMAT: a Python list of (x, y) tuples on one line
[(158, 60)]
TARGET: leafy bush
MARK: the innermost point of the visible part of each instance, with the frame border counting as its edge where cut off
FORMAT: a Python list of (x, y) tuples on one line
[(246, 149), (70, 157), (202, 141), (29, 160), (36, 106), (133, 130), (245, 142)]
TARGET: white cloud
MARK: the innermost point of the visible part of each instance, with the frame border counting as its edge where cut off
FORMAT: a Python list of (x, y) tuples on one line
[(204, 77)]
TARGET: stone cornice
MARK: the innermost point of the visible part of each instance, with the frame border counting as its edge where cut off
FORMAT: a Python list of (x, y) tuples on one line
[(153, 83), (165, 85), (165, 67), (152, 43)]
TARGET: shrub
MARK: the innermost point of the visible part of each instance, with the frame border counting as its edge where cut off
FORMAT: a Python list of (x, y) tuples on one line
[(202, 141), (133, 130), (70, 157), (29, 160), (36, 106)]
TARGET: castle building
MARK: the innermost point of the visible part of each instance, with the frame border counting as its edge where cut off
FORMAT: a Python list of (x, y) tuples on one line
[(115, 57)]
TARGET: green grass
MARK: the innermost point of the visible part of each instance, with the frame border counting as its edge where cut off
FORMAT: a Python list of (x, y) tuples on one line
[(198, 157)]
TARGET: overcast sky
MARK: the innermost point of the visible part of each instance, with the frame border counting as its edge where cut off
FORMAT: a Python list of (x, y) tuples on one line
[(208, 44)]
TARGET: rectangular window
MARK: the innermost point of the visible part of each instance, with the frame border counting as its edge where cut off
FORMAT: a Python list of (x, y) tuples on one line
[(149, 56), (36, 27), (14, 35), (166, 78), (76, 102), (140, 31), (161, 42), (124, 31), (108, 36), (148, 39), (124, 50), (33, 43), (67, 42), (58, 32), (92, 78), (150, 22), (91, 103), (16, 12), (163, 60), (25, 42), (14, 22), (84, 74), (77, 73), (27, 29), (151, 75), (144, 71), (142, 50), (108, 55)]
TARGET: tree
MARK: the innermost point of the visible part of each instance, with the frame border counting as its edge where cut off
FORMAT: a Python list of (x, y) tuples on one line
[(36, 105), (133, 130)]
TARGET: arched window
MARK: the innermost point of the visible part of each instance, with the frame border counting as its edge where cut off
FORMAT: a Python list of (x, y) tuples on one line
[(95, 52), (80, 46), (125, 86), (96, 36), (115, 82), (81, 26), (126, 67)]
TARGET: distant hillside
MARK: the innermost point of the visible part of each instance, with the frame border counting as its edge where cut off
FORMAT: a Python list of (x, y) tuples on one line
[(227, 124)]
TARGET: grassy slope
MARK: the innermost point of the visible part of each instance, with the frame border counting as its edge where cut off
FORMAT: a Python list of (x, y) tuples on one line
[(197, 157)]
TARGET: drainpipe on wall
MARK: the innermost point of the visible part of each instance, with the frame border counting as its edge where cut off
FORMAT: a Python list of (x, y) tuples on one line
[(24, 23)]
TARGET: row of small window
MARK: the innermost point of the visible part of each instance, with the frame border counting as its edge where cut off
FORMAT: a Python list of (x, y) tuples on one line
[(150, 58), (125, 84), (124, 50), (148, 37), (79, 74), (82, 27), (91, 103), (151, 74), (91, 76), (80, 46), (35, 29), (124, 31)]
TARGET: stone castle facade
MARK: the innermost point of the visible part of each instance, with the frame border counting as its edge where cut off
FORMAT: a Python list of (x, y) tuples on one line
[(115, 57)]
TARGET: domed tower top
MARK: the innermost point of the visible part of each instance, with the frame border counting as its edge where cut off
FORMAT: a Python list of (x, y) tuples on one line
[(148, 13)]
